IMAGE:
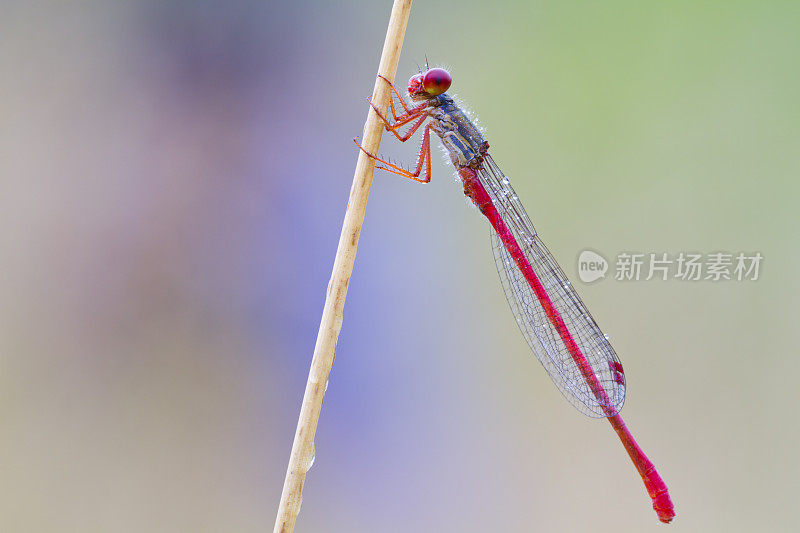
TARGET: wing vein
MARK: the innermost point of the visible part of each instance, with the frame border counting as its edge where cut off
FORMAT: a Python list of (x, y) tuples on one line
[(539, 332)]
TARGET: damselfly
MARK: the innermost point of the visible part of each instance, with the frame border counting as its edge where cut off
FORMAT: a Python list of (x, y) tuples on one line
[(552, 317)]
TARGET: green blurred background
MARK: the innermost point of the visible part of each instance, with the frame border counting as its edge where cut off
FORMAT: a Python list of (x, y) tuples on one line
[(173, 177)]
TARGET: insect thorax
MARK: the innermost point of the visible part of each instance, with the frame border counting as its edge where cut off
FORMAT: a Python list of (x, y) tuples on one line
[(461, 138)]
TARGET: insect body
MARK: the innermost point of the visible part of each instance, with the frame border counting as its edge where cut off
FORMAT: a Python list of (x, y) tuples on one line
[(551, 315)]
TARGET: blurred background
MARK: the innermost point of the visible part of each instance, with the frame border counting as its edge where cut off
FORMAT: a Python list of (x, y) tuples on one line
[(173, 177)]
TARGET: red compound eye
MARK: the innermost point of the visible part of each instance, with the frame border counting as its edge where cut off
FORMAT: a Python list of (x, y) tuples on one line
[(436, 81)]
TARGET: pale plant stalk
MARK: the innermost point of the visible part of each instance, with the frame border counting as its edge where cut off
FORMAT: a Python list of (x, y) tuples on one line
[(325, 349)]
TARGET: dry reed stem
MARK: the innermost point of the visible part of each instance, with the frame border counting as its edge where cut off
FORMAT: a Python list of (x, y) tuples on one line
[(331, 323)]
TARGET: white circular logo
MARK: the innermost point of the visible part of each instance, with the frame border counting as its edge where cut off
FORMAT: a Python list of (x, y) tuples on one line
[(591, 266)]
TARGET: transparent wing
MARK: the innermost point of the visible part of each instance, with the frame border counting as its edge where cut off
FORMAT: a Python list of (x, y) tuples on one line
[(542, 336)]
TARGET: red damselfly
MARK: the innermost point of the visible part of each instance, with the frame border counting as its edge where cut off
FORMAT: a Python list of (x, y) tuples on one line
[(554, 320)]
